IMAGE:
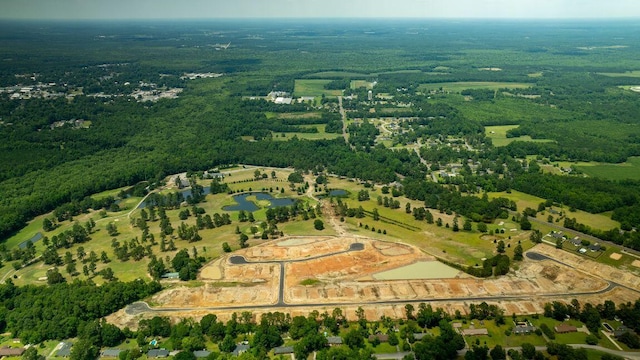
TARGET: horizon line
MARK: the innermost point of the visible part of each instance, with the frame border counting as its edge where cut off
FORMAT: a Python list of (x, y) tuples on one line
[(327, 18)]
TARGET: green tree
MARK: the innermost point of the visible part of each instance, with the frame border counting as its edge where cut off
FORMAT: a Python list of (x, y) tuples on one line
[(500, 248), (228, 344), (536, 236), (467, 225), (32, 354), (185, 355), (354, 339), (83, 350), (498, 353), (482, 227), (47, 225), (517, 253), (318, 224)]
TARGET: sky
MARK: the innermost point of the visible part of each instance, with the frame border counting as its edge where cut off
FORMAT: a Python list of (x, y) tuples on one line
[(205, 9)]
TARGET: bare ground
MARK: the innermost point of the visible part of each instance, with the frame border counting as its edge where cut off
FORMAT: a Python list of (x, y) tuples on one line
[(346, 279)]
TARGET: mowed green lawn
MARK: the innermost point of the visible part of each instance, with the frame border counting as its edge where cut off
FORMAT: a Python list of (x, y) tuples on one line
[(320, 135), (463, 85), (498, 135), (634, 74), (627, 170), (313, 87), (522, 200)]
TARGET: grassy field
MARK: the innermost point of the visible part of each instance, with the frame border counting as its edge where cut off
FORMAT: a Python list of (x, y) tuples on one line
[(209, 247), (313, 87), (497, 335), (336, 74), (463, 85), (627, 170), (320, 135), (361, 83), (597, 221), (468, 248), (498, 135), (634, 74)]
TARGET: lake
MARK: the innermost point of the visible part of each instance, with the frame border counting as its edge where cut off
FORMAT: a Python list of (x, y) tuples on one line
[(246, 205)]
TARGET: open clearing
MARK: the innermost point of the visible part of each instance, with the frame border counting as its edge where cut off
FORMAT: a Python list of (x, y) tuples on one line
[(633, 74), (463, 85), (320, 274), (321, 134), (361, 83), (498, 135), (596, 221), (626, 170), (313, 87), (419, 270), (616, 256)]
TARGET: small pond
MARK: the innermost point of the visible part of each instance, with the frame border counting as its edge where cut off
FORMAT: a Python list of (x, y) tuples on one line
[(335, 193), (34, 239), (246, 205)]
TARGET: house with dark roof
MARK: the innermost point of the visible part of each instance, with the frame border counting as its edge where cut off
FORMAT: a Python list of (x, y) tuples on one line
[(576, 241), (8, 351), (158, 353), (114, 353), (595, 247), (621, 330), (65, 349), (334, 340), (283, 350), (240, 348), (201, 353)]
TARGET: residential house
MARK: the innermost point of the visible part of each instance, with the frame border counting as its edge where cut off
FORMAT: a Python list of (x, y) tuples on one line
[(283, 350), (113, 353), (8, 351), (240, 348), (65, 349), (564, 328), (334, 340), (158, 353), (381, 337), (201, 353)]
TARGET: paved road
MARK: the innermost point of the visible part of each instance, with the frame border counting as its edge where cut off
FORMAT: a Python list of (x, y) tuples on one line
[(580, 234), (240, 260), (343, 114), (141, 307)]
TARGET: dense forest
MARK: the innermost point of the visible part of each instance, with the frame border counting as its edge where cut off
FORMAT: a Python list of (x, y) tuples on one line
[(79, 132)]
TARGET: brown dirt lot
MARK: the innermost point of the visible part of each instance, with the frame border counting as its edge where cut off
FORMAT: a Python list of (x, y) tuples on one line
[(346, 280)]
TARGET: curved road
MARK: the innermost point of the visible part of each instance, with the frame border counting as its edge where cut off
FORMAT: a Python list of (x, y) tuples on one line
[(142, 307), (240, 260)]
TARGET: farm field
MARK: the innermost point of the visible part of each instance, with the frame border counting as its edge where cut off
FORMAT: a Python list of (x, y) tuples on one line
[(633, 73), (627, 170), (463, 85), (498, 135), (320, 135), (313, 87)]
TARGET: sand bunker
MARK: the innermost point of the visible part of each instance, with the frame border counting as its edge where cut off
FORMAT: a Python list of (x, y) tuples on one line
[(419, 270), (636, 263), (615, 256), (635, 89)]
